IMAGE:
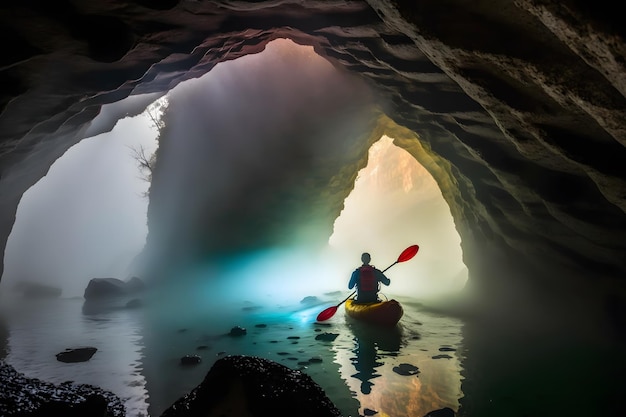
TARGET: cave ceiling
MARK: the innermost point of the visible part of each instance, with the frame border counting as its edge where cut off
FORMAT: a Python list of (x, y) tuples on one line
[(517, 108)]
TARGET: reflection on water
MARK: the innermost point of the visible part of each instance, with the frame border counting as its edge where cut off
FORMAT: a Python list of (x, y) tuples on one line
[(371, 346), (408, 370), (39, 329), (139, 352)]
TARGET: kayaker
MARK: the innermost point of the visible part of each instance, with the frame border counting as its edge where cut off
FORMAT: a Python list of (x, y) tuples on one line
[(367, 279)]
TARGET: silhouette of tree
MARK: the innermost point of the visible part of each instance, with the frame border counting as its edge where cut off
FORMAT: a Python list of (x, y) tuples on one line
[(145, 160)]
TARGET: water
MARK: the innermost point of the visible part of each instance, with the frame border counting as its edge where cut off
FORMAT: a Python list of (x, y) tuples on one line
[(39, 329), (139, 351)]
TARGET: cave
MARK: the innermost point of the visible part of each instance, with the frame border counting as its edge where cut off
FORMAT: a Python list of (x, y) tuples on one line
[(515, 108)]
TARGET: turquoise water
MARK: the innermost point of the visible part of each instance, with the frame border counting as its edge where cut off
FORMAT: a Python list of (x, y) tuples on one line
[(406, 371)]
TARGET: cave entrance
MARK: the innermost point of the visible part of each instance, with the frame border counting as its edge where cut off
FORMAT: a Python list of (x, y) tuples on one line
[(87, 217), (395, 203)]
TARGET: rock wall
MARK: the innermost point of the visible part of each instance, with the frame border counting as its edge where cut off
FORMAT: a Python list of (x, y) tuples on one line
[(516, 108)]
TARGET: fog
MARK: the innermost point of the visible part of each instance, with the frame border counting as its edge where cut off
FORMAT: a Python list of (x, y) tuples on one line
[(246, 145), (396, 203), (87, 217)]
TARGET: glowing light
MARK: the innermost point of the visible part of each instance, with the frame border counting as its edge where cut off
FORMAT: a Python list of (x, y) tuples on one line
[(395, 203)]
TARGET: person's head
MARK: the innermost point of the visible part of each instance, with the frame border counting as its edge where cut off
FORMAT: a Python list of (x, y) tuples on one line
[(366, 258)]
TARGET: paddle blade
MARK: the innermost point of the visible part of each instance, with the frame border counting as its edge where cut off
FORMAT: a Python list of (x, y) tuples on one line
[(408, 253), (326, 314)]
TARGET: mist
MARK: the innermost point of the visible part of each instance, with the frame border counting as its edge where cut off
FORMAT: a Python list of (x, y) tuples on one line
[(246, 144), (87, 217), (396, 203)]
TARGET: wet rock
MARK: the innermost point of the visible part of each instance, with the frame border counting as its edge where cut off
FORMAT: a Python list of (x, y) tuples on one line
[(447, 349), (190, 360), (442, 356), (328, 337), (406, 369), (247, 385), (21, 396), (237, 331), (99, 288), (82, 354)]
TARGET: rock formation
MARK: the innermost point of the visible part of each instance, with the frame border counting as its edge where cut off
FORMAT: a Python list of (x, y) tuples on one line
[(102, 288), (31, 397), (251, 386), (515, 107)]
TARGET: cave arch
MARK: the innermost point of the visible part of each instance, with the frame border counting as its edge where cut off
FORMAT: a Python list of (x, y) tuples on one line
[(525, 132), (516, 174)]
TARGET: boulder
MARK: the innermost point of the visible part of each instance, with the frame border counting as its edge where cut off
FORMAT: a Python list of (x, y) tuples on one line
[(238, 331), (99, 288), (253, 386), (76, 355), (21, 396), (190, 360)]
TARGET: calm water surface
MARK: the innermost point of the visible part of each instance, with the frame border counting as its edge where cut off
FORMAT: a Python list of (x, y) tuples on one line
[(407, 371)]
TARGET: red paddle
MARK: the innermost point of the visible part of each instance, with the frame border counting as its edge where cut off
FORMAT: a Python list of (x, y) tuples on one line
[(406, 254)]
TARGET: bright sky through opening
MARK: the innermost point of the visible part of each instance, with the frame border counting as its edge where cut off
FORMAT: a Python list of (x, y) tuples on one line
[(396, 203)]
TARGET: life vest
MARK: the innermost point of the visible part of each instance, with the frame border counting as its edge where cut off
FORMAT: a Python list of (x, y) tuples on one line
[(367, 279)]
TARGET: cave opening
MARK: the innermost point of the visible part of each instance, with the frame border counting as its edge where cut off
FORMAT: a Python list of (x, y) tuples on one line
[(396, 201), (94, 201), (87, 217), (378, 193), (540, 215)]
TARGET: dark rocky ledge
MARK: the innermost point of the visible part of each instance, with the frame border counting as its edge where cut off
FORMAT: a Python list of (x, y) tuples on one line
[(30, 397), (252, 386), (235, 386)]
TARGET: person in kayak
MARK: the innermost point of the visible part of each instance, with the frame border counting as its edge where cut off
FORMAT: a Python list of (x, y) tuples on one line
[(367, 279)]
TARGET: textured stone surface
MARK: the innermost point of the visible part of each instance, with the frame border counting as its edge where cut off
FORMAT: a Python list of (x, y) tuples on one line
[(252, 386), (30, 397), (516, 107)]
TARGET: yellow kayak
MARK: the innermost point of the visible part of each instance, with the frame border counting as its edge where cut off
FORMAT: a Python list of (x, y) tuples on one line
[(383, 313)]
